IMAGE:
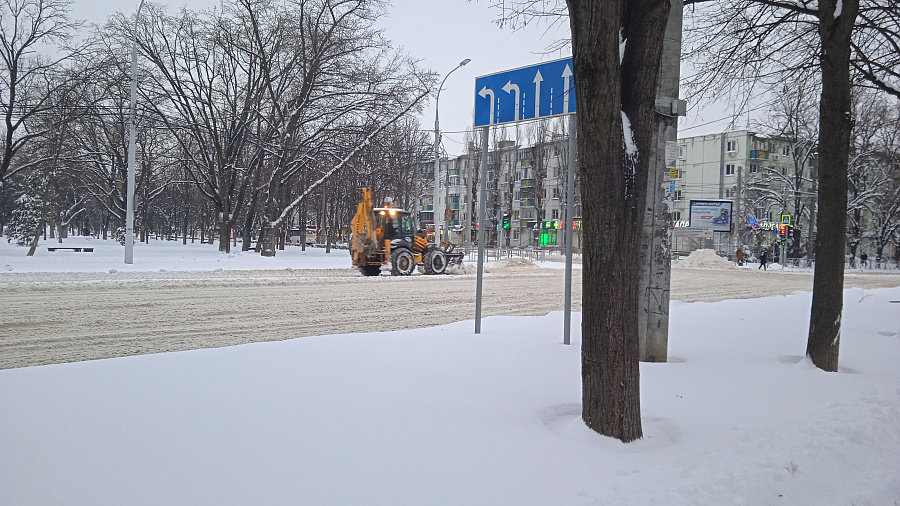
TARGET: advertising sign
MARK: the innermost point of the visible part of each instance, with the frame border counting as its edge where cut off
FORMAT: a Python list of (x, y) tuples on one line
[(711, 214)]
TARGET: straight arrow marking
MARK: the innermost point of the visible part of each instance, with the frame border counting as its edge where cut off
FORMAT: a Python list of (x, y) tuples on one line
[(484, 93), (567, 73), (509, 88), (537, 94)]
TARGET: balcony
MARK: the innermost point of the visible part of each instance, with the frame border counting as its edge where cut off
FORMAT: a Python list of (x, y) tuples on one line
[(527, 183), (526, 203), (427, 207), (758, 154)]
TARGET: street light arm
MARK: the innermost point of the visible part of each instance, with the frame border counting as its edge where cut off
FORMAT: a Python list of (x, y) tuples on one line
[(437, 98)]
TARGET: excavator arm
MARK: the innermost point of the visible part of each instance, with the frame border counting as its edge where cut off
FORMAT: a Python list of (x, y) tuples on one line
[(362, 229)]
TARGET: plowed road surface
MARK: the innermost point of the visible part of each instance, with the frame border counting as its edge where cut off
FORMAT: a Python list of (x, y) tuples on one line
[(54, 318)]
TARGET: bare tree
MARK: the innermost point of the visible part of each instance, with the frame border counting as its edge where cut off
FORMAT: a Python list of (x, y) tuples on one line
[(745, 43), (873, 208), (27, 79), (616, 48)]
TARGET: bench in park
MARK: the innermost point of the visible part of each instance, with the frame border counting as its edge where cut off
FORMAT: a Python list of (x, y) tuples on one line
[(79, 250)]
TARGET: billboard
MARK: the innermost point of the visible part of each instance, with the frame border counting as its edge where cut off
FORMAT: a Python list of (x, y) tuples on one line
[(711, 214)]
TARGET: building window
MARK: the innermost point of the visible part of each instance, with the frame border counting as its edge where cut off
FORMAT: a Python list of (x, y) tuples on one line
[(556, 193), (676, 216), (681, 152), (731, 146), (786, 150), (554, 214), (784, 171), (729, 169), (754, 168), (677, 194), (515, 234)]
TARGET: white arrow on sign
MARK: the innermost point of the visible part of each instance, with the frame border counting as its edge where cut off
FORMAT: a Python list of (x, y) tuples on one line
[(537, 94), (567, 73), (484, 93), (509, 88)]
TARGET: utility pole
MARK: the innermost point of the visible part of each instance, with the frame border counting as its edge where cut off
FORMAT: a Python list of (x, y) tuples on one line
[(736, 221), (470, 176), (655, 260), (129, 188)]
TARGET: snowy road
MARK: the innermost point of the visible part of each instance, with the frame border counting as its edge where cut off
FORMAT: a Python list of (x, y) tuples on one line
[(87, 316)]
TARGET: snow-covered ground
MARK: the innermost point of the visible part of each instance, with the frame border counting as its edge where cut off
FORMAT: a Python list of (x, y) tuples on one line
[(441, 416), (156, 255)]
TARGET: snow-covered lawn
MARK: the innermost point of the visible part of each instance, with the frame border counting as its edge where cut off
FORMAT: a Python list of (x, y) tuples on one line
[(156, 255)]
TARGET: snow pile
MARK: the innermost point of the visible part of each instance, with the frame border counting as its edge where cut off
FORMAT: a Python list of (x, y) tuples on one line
[(462, 268), (511, 265), (704, 259)]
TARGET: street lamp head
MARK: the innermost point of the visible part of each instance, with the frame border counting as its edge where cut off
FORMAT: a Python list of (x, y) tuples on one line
[(464, 62)]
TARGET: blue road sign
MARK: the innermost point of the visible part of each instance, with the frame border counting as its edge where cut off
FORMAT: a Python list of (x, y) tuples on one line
[(538, 91)]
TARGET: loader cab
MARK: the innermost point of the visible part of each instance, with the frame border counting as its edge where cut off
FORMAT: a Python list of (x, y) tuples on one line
[(395, 223)]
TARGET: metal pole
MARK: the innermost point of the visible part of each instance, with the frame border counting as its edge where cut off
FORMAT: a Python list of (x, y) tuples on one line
[(481, 225), (437, 154), (570, 220), (129, 203)]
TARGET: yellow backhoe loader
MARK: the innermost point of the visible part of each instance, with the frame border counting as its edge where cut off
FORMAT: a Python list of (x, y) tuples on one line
[(381, 235)]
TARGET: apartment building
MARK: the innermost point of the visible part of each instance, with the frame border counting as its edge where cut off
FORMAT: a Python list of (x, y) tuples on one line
[(765, 178), (525, 194)]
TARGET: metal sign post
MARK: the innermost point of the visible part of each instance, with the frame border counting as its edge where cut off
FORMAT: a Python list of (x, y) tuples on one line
[(569, 224), (528, 93), (482, 209)]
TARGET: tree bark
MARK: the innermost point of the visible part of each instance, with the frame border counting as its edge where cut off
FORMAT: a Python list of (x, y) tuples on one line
[(834, 154), (613, 194)]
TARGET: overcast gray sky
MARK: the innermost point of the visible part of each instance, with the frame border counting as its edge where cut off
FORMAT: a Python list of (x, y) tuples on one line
[(441, 33)]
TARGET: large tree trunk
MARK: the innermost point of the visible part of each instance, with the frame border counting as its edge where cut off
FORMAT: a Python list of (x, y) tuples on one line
[(224, 236), (613, 193), (834, 155)]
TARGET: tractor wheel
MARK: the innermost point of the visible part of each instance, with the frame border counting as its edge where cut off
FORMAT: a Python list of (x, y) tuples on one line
[(370, 270), (402, 263), (435, 262)]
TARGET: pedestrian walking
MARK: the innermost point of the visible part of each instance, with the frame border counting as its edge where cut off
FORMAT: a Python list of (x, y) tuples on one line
[(863, 258), (740, 256), (762, 261)]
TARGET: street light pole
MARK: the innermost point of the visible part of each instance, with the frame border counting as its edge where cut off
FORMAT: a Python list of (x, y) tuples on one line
[(437, 157), (129, 203)]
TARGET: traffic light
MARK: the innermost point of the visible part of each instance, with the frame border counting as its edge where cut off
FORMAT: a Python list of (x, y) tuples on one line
[(505, 223), (782, 230)]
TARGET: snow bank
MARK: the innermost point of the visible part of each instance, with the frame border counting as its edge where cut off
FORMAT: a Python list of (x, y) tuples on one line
[(511, 265), (704, 259)]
